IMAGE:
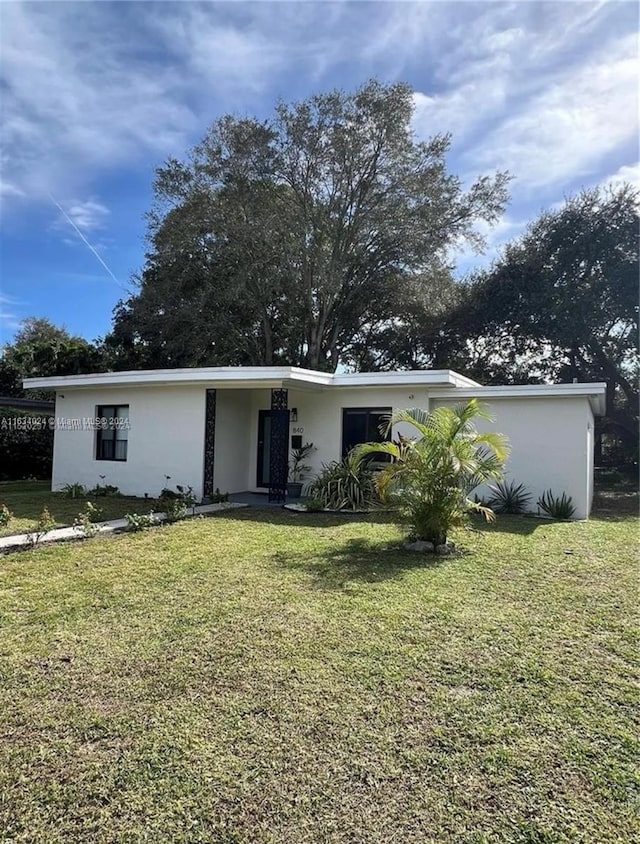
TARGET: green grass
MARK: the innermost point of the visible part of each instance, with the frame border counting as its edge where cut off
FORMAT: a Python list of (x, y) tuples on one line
[(26, 499), (270, 677)]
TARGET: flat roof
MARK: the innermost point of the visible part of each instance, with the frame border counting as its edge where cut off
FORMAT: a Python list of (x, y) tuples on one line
[(441, 382), (253, 376), (595, 392)]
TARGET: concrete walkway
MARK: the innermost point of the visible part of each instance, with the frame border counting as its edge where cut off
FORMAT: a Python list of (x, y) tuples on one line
[(259, 500), (59, 534)]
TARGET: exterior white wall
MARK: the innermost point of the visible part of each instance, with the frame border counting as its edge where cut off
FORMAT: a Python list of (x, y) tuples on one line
[(551, 445), (166, 437), (551, 437)]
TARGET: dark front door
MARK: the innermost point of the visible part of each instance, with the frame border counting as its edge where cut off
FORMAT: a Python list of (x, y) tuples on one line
[(264, 447)]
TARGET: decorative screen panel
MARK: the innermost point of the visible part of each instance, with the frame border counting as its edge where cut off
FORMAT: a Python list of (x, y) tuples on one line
[(279, 451), (209, 442)]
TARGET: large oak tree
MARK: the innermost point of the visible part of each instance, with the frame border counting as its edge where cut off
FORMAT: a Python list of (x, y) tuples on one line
[(294, 239), (560, 304)]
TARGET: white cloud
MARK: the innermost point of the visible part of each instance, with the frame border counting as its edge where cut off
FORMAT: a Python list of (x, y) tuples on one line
[(6, 300), (9, 320), (537, 88), (454, 113), (91, 87), (564, 132), (547, 95), (505, 39), (87, 215), (8, 189), (628, 173), (402, 27), (496, 237), (218, 53), (80, 96)]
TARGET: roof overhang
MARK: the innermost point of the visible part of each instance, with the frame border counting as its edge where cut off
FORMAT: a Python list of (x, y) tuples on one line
[(595, 393), (245, 377), (440, 382), (27, 404)]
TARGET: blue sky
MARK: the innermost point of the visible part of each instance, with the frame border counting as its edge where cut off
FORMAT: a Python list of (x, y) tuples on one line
[(94, 96)]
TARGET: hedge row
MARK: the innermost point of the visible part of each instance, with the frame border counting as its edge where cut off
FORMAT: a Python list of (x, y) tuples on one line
[(26, 444)]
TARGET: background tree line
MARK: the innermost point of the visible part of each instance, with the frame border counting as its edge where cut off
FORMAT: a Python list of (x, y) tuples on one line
[(322, 238)]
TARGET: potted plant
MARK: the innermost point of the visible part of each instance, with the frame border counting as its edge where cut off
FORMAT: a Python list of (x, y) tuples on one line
[(298, 469)]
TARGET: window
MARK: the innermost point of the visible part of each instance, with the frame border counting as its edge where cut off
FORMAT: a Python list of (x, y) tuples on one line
[(113, 432), (363, 425)]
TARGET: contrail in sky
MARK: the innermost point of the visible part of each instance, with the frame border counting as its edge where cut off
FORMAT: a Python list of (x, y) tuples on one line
[(84, 239)]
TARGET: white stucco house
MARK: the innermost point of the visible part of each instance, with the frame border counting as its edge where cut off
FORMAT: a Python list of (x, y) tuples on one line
[(231, 428)]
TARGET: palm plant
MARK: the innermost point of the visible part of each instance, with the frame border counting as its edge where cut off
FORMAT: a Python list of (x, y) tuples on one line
[(509, 498), (346, 484), (556, 506), (431, 476), (298, 469), (75, 490)]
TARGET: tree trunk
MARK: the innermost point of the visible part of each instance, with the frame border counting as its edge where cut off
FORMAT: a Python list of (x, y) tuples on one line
[(268, 340)]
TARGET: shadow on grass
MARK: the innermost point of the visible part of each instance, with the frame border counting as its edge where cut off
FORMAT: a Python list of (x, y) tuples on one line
[(360, 561), (520, 525), (280, 516)]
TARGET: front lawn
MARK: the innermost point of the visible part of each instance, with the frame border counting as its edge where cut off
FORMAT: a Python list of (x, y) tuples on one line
[(26, 500), (271, 677)]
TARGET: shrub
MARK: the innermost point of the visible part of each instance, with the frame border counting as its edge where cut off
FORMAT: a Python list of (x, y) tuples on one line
[(104, 491), (94, 512), (314, 505), (188, 497), (218, 497), (43, 526), (176, 502), (432, 476), (509, 498), (556, 507), (86, 521), (5, 515), (139, 521), (174, 509), (76, 490), (166, 494), (347, 484), (26, 444)]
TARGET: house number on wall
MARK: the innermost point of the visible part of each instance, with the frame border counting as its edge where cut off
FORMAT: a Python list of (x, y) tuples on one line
[(298, 430)]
